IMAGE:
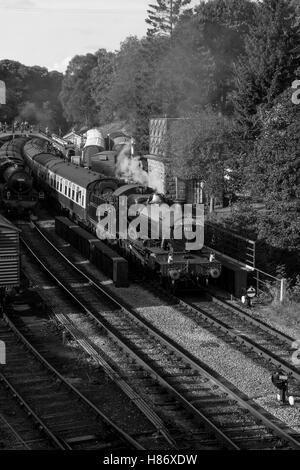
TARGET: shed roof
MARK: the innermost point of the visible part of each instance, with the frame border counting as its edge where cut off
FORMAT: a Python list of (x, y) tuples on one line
[(71, 134)]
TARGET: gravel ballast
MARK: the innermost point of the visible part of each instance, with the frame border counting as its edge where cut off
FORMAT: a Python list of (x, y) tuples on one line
[(246, 373)]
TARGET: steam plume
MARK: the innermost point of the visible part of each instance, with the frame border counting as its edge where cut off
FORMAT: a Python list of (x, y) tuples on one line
[(130, 168)]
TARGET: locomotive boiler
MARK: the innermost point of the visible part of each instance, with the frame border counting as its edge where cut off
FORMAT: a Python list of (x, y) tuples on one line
[(18, 194)]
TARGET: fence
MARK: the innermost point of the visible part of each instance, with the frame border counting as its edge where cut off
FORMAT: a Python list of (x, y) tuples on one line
[(242, 249), (230, 244), (269, 286)]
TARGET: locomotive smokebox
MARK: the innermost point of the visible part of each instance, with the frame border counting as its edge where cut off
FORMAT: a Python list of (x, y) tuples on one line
[(18, 181)]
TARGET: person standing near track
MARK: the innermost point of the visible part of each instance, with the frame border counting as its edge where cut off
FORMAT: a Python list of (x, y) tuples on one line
[(280, 381)]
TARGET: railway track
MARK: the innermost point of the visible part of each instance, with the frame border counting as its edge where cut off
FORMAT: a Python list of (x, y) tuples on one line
[(234, 323), (66, 419), (155, 440), (16, 428), (225, 416), (10, 437), (252, 333), (178, 425)]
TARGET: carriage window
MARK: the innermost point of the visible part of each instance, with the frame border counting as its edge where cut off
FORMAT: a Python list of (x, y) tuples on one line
[(60, 186), (73, 194), (65, 189), (69, 192)]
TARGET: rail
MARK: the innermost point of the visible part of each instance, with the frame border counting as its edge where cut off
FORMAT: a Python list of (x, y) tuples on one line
[(194, 363), (115, 336), (81, 397)]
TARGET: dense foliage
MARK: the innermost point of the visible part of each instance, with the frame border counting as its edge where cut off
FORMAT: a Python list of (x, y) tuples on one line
[(267, 68), (76, 97), (32, 95), (162, 74), (276, 173)]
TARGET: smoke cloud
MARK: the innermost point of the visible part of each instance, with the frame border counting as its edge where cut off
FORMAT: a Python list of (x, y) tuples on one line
[(130, 168), (33, 114)]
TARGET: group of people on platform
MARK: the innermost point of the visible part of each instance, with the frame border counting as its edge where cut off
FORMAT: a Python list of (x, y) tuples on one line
[(22, 126), (26, 127), (17, 126)]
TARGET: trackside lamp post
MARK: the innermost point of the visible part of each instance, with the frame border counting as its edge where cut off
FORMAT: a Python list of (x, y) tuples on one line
[(251, 293), (281, 381)]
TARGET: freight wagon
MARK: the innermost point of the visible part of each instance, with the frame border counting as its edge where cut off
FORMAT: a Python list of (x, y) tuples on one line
[(101, 255)]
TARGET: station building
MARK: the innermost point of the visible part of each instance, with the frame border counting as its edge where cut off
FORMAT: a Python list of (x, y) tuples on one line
[(74, 138)]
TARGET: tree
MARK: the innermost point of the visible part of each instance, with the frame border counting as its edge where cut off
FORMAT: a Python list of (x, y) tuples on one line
[(132, 93), (163, 16), (32, 95), (184, 74), (276, 173), (223, 25), (269, 63), (122, 90), (102, 77), (76, 94)]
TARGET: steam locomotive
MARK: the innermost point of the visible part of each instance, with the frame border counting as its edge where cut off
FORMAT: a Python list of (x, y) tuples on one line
[(154, 250), (17, 193), (80, 193)]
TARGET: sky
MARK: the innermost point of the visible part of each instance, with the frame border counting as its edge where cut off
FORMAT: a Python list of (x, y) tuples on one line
[(50, 32)]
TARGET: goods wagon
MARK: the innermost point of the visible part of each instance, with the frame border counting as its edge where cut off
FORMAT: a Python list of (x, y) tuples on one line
[(110, 262), (104, 257)]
